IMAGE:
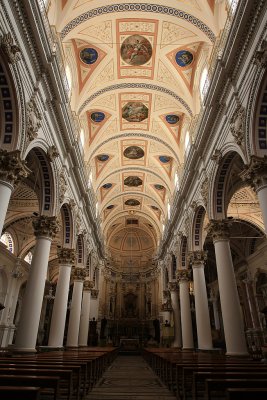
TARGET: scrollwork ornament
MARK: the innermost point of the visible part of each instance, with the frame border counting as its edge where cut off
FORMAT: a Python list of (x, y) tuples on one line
[(256, 172), (197, 257), (62, 187), (78, 274), (52, 153), (219, 229), (33, 120), (66, 256), (237, 125), (204, 191), (12, 167), (11, 50), (183, 275), (261, 55), (45, 226)]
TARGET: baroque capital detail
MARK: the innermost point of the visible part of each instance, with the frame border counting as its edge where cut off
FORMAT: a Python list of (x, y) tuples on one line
[(183, 275), (197, 257), (52, 153), (11, 50), (237, 125), (88, 285), (45, 226), (256, 172), (12, 168), (33, 120), (204, 191), (261, 55), (66, 256), (94, 293), (79, 274), (218, 229), (173, 286)]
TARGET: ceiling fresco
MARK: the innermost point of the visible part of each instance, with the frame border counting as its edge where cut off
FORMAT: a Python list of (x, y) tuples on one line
[(135, 71)]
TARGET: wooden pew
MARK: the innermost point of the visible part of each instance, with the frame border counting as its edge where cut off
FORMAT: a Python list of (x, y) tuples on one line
[(246, 394), (20, 392), (44, 382), (213, 386)]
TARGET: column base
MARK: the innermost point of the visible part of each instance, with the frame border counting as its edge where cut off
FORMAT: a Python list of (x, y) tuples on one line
[(71, 347), (22, 350), (188, 348)]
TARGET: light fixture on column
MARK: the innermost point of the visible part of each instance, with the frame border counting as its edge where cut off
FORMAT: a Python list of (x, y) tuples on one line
[(50, 296)]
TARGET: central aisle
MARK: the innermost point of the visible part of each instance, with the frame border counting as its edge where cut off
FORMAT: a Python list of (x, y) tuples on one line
[(129, 378)]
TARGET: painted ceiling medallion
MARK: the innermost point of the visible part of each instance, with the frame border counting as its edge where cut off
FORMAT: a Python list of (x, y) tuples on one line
[(132, 202), (158, 187), (133, 181), (134, 111), (97, 116), (107, 186), (110, 207), (164, 159), (184, 58), (88, 55), (154, 208), (133, 152), (103, 157), (136, 50), (172, 119)]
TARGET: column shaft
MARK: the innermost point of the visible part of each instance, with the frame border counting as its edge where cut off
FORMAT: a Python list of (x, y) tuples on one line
[(85, 315), (56, 334), (186, 319), (33, 298), (5, 193), (202, 308), (176, 316), (231, 312), (75, 314), (262, 196)]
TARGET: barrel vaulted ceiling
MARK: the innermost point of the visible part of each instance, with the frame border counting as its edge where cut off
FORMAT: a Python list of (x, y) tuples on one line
[(135, 71)]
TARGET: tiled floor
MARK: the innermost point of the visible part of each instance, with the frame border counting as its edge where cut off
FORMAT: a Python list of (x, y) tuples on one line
[(130, 378)]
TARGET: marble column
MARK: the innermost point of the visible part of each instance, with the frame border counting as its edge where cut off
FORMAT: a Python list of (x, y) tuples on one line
[(255, 174), (12, 169), (174, 289), (197, 258), (66, 258), (85, 313), (183, 277), (231, 311), (214, 302), (45, 229), (94, 303), (78, 275)]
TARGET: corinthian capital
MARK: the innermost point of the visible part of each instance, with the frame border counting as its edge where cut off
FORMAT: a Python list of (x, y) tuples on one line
[(94, 293), (183, 275), (12, 168), (218, 229), (79, 274), (88, 285), (45, 226), (173, 286), (66, 256), (197, 257), (255, 173)]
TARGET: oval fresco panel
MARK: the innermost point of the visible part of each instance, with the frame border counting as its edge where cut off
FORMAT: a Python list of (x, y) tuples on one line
[(103, 157), (133, 152), (97, 116), (155, 208), (134, 111), (107, 186), (172, 119), (136, 50), (164, 159), (133, 181), (132, 202), (158, 187), (184, 58), (88, 55), (110, 207)]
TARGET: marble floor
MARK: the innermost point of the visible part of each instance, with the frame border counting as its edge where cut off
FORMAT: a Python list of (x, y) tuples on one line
[(130, 378)]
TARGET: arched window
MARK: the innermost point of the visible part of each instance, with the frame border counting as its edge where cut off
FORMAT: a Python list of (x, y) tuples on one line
[(7, 239), (28, 257), (204, 83)]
